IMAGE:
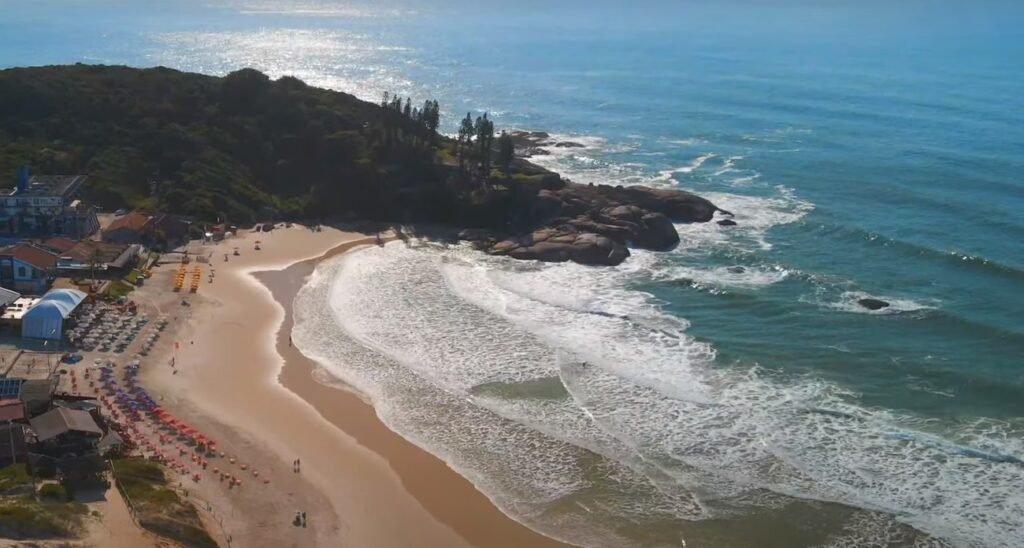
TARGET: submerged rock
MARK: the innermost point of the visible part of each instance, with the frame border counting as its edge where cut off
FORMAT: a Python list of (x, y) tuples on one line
[(727, 222), (872, 304)]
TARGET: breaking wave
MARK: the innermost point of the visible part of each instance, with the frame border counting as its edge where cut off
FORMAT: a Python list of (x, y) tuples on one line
[(529, 364)]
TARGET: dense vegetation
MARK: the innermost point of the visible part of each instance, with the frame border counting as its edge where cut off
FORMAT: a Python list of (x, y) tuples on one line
[(27, 514), (240, 146)]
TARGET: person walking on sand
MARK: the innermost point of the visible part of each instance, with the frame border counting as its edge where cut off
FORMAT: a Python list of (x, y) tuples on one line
[(303, 519)]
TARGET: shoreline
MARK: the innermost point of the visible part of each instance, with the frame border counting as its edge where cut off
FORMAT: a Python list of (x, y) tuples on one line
[(457, 502), (237, 379)]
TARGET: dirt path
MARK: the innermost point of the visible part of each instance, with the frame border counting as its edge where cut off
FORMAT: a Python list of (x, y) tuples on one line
[(116, 526)]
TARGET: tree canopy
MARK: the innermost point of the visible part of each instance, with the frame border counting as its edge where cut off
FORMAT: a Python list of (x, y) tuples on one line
[(238, 146)]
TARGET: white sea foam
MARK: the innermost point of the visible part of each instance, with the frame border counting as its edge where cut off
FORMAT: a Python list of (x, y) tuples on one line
[(694, 165), (754, 215), (736, 276), (454, 333), (728, 166)]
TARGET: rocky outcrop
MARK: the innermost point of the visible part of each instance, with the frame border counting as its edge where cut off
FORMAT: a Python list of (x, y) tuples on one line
[(560, 245), (872, 304), (596, 225), (538, 143), (589, 224)]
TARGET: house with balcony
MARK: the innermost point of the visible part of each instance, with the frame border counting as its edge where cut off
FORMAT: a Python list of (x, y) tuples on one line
[(43, 205)]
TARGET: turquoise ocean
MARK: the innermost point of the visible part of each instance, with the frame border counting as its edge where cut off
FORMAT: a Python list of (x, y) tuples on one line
[(734, 392)]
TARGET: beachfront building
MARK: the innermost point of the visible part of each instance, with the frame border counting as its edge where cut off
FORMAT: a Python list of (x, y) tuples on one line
[(159, 229), (46, 318), (63, 431), (130, 228), (27, 268), (44, 205), (98, 259)]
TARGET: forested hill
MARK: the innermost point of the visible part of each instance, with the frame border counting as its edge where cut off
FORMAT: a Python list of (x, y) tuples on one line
[(231, 147), (244, 148)]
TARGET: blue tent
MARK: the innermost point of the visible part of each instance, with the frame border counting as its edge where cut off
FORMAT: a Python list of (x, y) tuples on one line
[(45, 320)]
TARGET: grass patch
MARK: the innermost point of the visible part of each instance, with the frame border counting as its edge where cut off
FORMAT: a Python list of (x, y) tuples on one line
[(133, 276), (53, 492), (24, 517), (14, 477), (117, 289), (159, 508)]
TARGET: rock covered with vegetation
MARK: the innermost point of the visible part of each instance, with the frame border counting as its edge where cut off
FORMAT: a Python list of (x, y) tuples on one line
[(244, 147)]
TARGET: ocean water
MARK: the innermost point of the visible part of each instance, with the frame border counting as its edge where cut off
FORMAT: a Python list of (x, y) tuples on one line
[(730, 392)]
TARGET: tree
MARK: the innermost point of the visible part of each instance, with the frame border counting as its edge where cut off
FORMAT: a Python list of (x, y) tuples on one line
[(484, 130), (432, 115), (506, 152), (465, 141)]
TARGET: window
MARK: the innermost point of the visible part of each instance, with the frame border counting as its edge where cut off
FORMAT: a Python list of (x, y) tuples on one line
[(21, 272)]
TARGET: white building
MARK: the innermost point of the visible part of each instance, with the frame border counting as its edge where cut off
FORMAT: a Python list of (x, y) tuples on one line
[(46, 204)]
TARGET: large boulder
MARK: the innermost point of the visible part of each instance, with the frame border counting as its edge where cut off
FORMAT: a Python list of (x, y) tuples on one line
[(560, 245), (678, 205), (546, 206), (658, 233)]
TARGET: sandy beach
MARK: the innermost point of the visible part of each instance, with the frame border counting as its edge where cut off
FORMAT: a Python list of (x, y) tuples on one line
[(237, 378)]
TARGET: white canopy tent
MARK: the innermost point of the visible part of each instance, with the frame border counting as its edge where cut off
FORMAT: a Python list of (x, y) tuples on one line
[(45, 320)]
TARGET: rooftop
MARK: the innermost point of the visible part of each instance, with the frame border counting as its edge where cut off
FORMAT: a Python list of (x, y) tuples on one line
[(132, 221), (105, 254), (60, 420), (38, 257), (61, 301), (50, 185), (15, 310), (11, 410), (59, 244), (37, 390), (31, 366), (7, 296)]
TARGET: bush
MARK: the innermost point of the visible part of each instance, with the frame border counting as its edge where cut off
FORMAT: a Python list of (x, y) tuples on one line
[(53, 492), (13, 477), (26, 518)]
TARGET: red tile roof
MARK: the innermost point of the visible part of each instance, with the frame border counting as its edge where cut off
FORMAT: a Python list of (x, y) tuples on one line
[(11, 410), (59, 244), (30, 254), (133, 221)]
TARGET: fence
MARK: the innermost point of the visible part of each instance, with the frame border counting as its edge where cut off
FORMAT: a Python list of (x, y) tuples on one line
[(181, 493)]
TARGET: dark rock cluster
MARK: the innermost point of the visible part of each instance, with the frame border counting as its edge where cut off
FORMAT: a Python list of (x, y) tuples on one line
[(596, 225)]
